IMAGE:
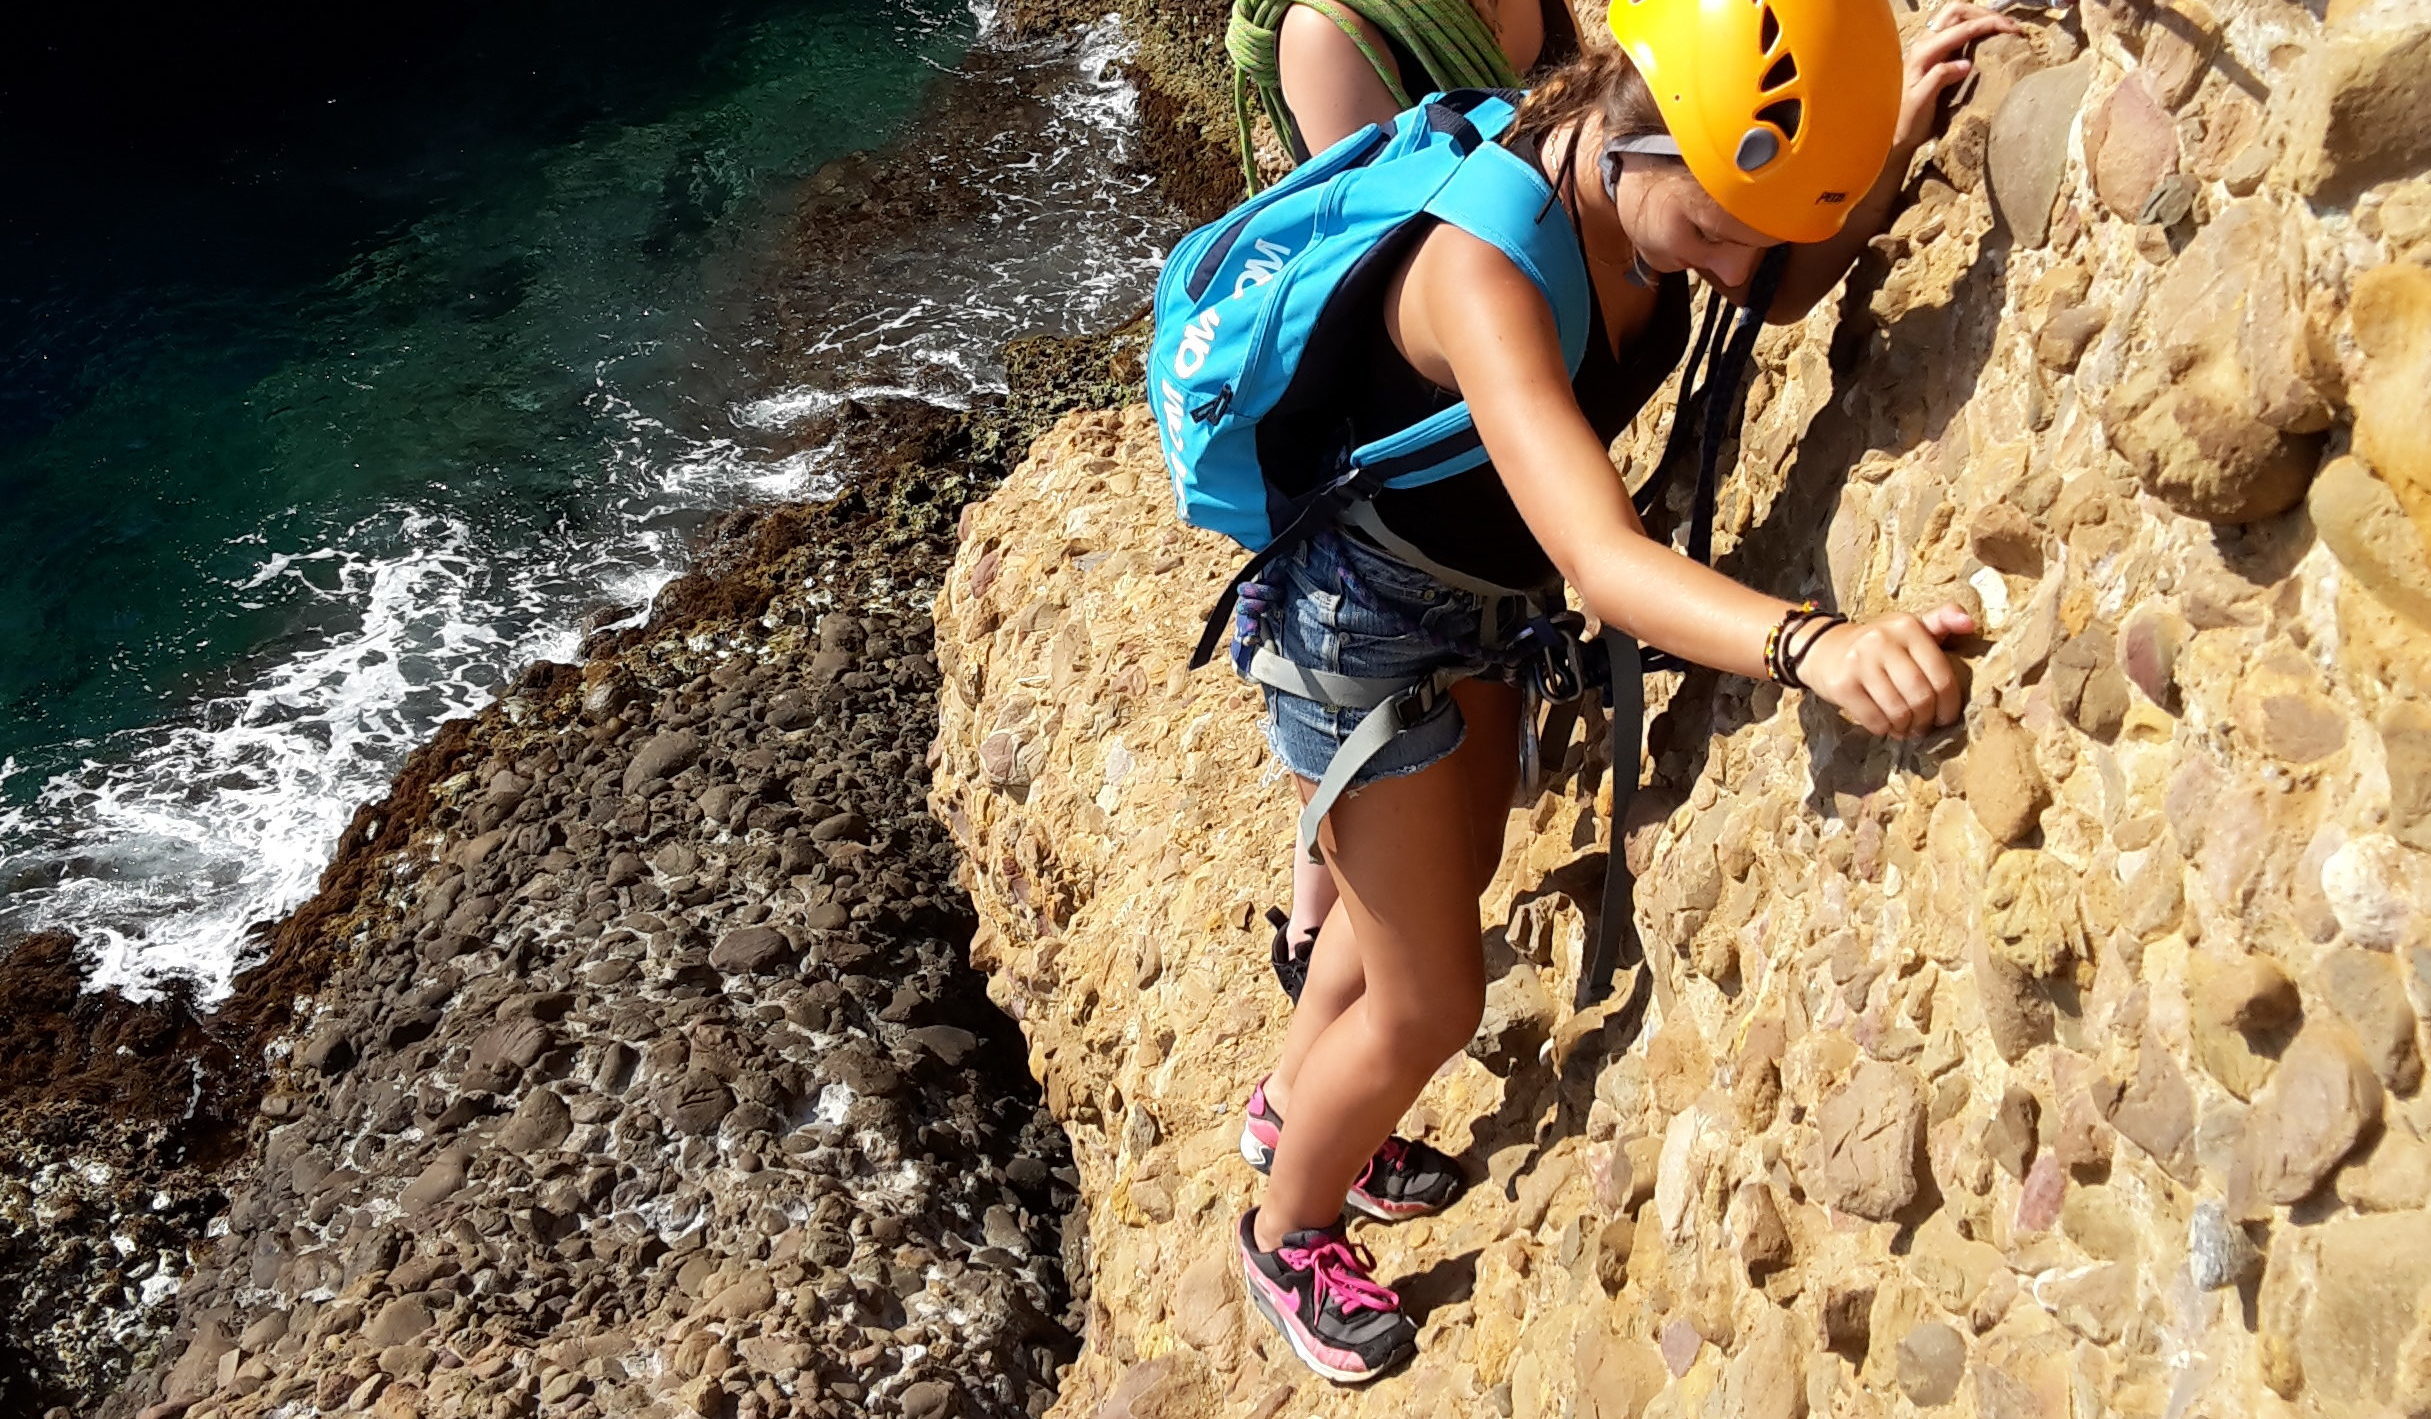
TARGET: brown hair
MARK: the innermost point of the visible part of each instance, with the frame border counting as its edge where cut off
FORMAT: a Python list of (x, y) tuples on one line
[(1600, 81)]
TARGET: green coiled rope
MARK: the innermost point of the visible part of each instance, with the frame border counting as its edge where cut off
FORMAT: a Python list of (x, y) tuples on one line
[(1448, 37)]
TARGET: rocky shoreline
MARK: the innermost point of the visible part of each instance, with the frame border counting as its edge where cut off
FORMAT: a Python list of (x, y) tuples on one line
[(628, 1058), (643, 1065)]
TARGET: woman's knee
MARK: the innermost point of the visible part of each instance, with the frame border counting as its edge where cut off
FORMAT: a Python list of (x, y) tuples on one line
[(1427, 1027)]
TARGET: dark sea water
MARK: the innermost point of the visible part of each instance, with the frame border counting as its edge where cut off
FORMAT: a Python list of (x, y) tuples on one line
[(345, 364)]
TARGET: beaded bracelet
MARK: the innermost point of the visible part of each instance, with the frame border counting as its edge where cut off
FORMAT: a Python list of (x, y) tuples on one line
[(1772, 638)]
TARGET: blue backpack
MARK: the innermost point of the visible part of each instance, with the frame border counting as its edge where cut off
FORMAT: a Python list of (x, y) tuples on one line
[(1240, 303)]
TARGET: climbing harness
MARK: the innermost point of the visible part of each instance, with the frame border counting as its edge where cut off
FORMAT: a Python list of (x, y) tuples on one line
[(1448, 37)]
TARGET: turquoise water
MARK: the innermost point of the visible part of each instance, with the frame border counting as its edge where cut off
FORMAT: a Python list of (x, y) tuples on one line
[(322, 413)]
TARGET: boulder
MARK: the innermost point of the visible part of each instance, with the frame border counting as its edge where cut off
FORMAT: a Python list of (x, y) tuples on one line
[(2221, 418), (752, 950), (667, 754)]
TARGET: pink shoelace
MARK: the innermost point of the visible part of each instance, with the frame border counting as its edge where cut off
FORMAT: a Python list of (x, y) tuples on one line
[(1387, 1158), (1342, 1275)]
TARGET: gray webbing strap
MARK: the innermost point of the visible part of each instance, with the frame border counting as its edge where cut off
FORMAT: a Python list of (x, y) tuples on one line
[(1383, 725), (1616, 933), (1326, 687), (1362, 515), (1552, 743)]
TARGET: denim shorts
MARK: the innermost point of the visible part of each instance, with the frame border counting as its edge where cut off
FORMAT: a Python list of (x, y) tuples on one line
[(1336, 604)]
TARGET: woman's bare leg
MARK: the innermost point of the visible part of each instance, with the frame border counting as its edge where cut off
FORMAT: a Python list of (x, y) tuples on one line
[(1405, 853), (1488, 762)]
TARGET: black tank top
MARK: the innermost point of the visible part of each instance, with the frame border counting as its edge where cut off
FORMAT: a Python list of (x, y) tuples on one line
[(1468, 521), (1354, 387)]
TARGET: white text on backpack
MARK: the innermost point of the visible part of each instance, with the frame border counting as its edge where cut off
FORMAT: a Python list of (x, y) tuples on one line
[(1262, 267), (1177, 420), (1197, 336)]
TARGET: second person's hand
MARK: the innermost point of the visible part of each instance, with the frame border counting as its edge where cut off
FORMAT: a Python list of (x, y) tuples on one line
[(1938, 60)]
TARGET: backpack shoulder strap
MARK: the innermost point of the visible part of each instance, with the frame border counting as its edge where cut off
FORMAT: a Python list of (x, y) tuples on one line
[(1499, 197)]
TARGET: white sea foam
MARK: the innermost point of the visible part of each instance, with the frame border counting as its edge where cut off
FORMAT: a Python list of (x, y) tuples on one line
[(164, 845)]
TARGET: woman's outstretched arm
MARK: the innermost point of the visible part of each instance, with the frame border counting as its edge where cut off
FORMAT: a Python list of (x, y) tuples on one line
[(1463, 304)]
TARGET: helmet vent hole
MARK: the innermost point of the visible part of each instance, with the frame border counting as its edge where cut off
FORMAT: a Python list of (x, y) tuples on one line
[(1768, 32), (1783, 115), (1784, 70)]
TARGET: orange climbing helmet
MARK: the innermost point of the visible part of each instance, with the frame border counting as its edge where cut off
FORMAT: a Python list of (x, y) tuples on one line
[(1782, 109)]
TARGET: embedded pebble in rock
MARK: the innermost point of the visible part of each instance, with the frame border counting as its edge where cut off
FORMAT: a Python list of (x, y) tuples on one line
[(2155, 1109), (2368, 991), (2357, 107), (2226, 425), (2320, 1100), (2029, 147), (2217, 1250), (2392, 324), (1680, 1344), (1866, 1138), (1932, 1357), (2367, 530), (2004, 785), (2133, 144), (2017, 1036)]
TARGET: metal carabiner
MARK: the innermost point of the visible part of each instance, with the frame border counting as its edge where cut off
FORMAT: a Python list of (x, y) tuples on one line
[(1556, 668)]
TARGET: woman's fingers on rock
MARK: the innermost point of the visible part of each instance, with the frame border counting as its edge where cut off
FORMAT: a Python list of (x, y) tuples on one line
[(1947, 620), (1917, 700), (1889, 705)]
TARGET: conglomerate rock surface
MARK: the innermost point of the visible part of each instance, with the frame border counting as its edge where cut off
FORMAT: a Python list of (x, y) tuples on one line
[(2067, 1063)]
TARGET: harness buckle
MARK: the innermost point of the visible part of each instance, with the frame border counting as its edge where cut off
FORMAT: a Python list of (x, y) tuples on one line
[(1413, 705), (1555, 667)]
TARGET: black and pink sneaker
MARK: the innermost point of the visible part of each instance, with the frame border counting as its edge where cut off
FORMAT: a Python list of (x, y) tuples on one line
[(1405, 1179), (1317, 1288)]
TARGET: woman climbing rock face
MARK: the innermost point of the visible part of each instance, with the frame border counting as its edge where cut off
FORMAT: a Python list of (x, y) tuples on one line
[(1693, 149), (1327, 71)]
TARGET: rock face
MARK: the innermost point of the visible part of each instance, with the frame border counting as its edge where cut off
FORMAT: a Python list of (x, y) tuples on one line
[(2006, 1075)]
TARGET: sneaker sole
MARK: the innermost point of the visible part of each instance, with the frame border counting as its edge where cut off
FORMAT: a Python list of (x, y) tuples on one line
[(1262, 1158), (1291, 1337)]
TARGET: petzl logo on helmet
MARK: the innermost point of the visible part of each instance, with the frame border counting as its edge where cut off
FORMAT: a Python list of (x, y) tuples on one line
[(1831, 199)]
